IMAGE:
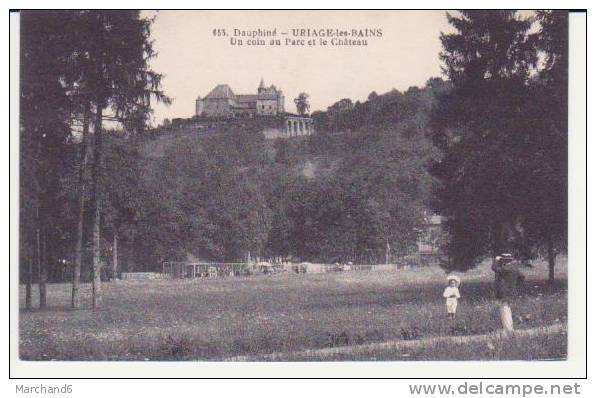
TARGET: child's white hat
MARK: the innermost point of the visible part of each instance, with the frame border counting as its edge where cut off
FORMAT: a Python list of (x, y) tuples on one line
[(454, 278)]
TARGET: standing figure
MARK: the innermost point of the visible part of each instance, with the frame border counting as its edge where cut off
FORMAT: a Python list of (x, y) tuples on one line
[(451, 294), (509, 280), (509, 283)]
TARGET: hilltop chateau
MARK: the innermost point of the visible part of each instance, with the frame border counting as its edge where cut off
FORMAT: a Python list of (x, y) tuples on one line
[(222, 103)]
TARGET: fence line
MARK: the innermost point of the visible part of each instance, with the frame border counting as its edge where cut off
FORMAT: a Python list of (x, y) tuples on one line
[(202, 269), (180, 270)]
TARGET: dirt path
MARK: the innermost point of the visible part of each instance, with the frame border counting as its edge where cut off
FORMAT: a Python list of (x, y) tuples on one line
[(393, 345)]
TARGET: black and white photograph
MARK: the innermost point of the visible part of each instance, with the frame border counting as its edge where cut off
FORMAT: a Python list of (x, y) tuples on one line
[(293, 186)]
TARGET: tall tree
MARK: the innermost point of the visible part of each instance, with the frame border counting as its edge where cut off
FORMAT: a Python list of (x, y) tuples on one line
[(545, 219), (76, 79), (81, 193), (44, 113), (117, 49), (480, 127)]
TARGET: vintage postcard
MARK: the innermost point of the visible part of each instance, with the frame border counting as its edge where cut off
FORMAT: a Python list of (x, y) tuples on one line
[(296, 187)]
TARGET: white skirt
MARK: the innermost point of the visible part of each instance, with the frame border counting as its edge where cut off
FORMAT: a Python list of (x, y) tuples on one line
[(451, 303)]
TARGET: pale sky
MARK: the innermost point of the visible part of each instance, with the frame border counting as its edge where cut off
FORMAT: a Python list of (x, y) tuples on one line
[(194, 61)]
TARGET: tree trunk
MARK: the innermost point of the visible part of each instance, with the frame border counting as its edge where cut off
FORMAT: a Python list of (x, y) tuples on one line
[(41, 268), (506, 316), (387, 252), (97, 151), (76, 277), (43, 271), (497, 238), (115, 256), (28, 302), (552, 257)]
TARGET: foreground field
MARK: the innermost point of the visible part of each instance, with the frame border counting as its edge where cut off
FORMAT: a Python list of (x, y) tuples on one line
[(523, 344), (219, 319)]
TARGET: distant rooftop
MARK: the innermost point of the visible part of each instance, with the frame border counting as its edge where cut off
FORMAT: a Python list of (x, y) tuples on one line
[(221, 91)]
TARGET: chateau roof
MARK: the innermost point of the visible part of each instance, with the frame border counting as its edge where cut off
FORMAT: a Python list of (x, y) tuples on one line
[(221, 91)]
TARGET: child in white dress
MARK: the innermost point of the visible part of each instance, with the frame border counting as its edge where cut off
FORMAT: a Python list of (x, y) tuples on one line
[(451, 294)]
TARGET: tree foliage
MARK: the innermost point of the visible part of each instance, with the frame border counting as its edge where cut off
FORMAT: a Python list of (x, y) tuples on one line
[(302, 103), (224, 195)]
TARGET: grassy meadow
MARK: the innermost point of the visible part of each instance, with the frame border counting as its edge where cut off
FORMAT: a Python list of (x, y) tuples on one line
[(219, 319)]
